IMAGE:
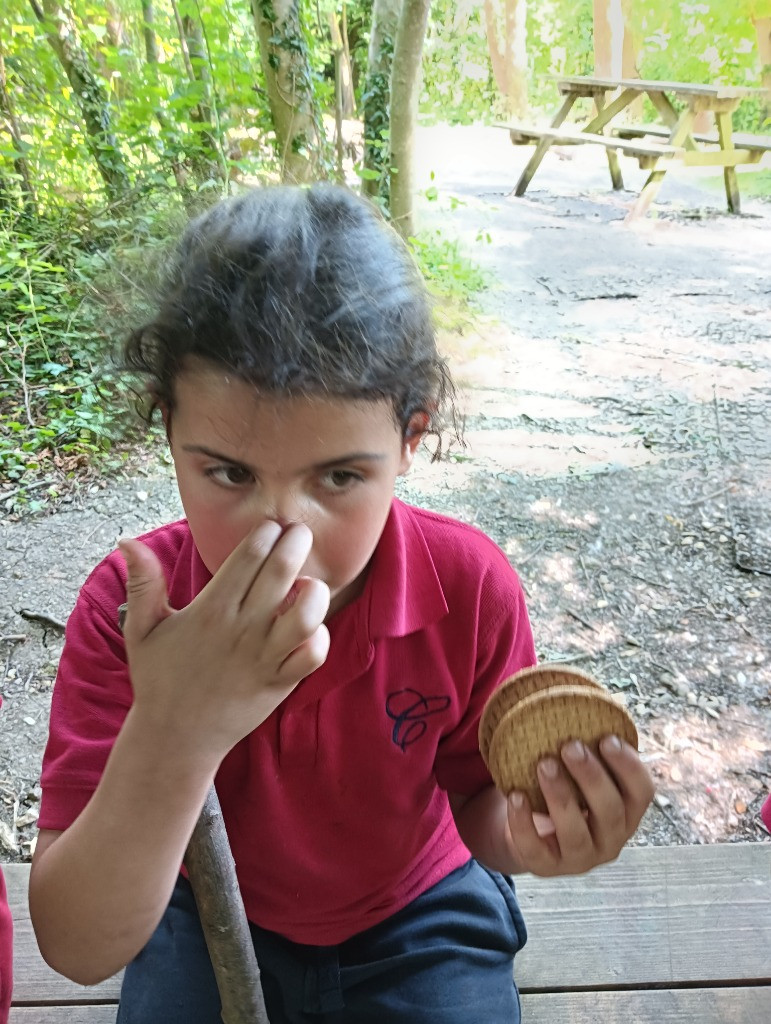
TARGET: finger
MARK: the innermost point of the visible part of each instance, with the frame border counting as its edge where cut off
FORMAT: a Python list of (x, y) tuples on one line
[(607, 821), (233, 580), (147, 602), (570, 825), (535, 853), (306, 658), (306, 612), (278, 573), (631, 776)]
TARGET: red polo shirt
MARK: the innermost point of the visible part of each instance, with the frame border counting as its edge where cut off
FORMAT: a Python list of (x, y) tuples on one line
[(336, 806)]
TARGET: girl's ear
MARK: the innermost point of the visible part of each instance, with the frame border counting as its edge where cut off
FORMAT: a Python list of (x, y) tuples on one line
[(413, 435), (166, 417)]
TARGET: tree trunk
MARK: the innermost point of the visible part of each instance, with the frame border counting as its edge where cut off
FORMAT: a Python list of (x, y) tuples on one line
[(615, 48), (20, 165), (763, 33), (118, 39), (285, 65), (508, 55), (376, 99), (205, 154), (405, 76), (148, 30), (342, 55), (60, 30)]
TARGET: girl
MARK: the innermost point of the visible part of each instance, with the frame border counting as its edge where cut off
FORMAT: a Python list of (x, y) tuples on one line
[(321, 649)]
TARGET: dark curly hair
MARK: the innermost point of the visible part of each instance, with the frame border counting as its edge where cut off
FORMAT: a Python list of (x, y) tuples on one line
[(298, 291)]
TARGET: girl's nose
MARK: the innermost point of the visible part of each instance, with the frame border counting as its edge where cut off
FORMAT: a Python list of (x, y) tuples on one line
[(286, 509)]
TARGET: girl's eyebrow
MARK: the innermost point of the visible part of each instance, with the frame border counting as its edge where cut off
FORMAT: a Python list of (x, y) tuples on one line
[(199, 449)]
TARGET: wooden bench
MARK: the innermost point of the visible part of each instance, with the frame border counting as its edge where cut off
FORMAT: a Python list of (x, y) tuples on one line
[(644, 151), (741, 140), (665, 935)]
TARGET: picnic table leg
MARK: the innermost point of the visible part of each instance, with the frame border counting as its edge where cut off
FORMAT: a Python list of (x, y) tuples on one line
[(542, 147), (669, 115), (725, 134), (613, 165), (650, 189)]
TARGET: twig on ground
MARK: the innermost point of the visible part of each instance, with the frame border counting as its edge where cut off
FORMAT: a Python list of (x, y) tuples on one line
[(579, 618), (43, 618), (531, 554), (26, 487), (708, 497)]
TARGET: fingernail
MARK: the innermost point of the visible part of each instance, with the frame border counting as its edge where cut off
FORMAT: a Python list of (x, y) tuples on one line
[(516, 800), (574, 751), (549, 768), (611, 745)]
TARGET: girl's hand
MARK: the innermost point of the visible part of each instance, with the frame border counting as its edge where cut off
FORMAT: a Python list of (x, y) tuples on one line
[(206, 676), (616, 790)]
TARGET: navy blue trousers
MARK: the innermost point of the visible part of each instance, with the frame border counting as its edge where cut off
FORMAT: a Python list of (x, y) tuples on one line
[(444, 959)]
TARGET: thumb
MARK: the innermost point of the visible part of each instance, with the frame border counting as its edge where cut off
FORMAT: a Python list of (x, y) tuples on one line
[(147, 602)]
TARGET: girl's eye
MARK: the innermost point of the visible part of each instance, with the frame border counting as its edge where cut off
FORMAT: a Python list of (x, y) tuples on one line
[(341, 479), (229, 475)]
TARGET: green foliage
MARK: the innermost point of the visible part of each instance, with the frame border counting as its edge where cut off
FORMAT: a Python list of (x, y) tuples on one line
[(458, 86), (700, 41), (704, 41), (451, 276), (51, 398)]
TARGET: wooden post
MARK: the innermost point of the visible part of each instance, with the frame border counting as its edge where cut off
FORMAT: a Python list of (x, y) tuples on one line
[(650, 189), (542, 147), (613, 165), (725, 134)]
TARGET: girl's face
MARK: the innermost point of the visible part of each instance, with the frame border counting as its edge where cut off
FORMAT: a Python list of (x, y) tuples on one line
[(331, 463)]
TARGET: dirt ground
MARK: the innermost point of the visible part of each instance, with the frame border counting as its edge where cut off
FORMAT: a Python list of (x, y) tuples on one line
[(617, 393)]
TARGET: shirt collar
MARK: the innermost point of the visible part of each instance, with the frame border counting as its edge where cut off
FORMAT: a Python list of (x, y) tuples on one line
[(405, 594)]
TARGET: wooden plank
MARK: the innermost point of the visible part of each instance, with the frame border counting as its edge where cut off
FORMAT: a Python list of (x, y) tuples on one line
[(721, 158), (577, 82), (664, 1006), (658, 915), (102, 1014), (741, 139), (34, 981), (573, 137)]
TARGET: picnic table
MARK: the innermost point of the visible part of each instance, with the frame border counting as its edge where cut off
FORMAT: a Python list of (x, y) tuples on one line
[(656, 146), (665, 935)]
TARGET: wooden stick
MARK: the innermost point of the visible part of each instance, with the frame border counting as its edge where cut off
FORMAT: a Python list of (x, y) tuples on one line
[(212, 874), (211, 871)]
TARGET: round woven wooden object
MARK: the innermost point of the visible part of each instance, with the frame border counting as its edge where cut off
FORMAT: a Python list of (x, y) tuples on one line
[(521, 685), (539, 725)]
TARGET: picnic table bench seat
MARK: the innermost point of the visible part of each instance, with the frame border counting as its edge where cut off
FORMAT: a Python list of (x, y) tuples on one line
[(665, 935), (741, 140), (521, 134)]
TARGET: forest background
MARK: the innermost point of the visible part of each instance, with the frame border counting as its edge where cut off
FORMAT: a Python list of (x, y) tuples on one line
[(119, 120)]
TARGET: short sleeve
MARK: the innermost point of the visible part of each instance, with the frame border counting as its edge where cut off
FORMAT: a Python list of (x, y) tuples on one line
[(504, 646), (91, 698)]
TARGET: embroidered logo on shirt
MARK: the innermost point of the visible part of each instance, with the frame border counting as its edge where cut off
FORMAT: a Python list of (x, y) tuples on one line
[(409, 710)]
